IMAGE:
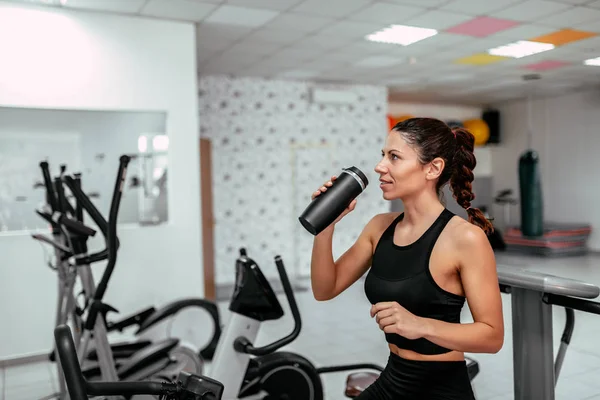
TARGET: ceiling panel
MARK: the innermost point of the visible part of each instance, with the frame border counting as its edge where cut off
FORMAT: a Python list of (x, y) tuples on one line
[(477, 7), (438, 19), (178, 9), (351, 29), (254, 46), (118, 6), (300, 53), (386, 13), (242, 16), (276, 35), (330, 8), (237, 56), (571, 17), (525, 31), (531, 10), (591, 44), (210, 35), (324, 64), (593, 26), (574, 2), (278, 5), (444, 40), (299, 22), (420, 3), (325, 42), (207, 1)]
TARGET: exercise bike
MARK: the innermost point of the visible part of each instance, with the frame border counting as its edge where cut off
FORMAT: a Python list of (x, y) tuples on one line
[(186, 387), (264, 372)]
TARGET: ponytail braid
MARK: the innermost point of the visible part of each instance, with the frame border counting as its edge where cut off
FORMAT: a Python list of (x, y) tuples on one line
[(462, 178)]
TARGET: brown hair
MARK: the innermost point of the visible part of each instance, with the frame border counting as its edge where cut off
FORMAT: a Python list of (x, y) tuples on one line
[(433, 138)]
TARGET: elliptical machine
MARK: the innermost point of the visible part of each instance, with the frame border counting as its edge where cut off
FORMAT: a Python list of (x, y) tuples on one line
[(163, 359), (143, 320)]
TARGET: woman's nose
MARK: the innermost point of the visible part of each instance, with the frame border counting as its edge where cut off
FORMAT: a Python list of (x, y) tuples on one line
[(380, 168)]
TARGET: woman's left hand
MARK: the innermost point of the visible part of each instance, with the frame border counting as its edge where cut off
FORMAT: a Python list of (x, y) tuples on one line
[(393, 318)]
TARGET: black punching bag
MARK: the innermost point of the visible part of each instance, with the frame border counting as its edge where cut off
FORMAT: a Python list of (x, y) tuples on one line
[(532, 206)]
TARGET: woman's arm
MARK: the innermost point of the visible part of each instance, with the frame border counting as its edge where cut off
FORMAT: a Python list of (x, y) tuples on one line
[(480, 282), (329, 278)]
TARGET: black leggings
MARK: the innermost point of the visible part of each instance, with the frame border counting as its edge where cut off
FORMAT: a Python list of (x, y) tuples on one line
[(404, 379)]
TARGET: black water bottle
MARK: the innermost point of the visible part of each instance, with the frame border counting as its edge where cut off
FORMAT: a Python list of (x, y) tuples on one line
[(326, 207)]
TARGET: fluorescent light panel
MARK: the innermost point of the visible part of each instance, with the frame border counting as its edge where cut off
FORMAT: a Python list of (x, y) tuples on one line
[(401, 34), (519, 49), (593, 61)]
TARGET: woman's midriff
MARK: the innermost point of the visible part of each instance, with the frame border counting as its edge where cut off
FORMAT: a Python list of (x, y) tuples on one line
[(411, 355)]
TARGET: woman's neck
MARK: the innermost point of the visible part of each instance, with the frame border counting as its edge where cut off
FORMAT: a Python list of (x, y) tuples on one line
[(422, 209)]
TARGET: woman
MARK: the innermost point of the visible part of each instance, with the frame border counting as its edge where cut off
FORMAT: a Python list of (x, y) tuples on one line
[(422, 265)]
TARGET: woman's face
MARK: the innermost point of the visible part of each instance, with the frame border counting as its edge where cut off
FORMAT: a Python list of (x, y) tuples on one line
[(400, 171)]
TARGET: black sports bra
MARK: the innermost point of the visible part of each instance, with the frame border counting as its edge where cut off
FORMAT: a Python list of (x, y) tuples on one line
[(401, 274)]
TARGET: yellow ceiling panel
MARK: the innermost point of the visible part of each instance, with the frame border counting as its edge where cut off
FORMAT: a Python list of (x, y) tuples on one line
[(480, 59)]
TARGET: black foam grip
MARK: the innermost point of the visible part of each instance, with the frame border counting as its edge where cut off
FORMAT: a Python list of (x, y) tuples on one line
[(50, 195), (69, 362)]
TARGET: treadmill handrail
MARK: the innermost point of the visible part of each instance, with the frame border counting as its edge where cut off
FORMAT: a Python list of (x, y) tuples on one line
[(546, 283), (573, 303)]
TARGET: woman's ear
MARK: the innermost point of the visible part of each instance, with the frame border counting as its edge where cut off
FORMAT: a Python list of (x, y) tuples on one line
[(435, 168)]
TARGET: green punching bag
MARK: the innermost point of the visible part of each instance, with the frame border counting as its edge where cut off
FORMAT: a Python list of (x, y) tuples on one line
[(532, 206)]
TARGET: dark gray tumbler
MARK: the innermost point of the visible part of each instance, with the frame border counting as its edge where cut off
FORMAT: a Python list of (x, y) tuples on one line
[(326, 207)]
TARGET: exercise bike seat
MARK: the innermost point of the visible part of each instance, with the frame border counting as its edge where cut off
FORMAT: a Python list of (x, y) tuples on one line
[(359, 381), (146, 356)]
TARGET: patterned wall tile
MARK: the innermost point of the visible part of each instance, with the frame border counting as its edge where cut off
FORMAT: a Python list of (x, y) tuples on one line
[(272, 148)]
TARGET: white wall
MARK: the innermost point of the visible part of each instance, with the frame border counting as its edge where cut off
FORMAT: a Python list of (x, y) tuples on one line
[(54, 58), (442, 111), (565, 134), (447, 112)]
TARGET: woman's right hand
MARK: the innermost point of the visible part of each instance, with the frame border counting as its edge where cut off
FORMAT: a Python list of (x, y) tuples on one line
[(323, 189)]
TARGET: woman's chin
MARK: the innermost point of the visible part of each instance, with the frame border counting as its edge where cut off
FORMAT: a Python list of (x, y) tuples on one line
[(389, 196)]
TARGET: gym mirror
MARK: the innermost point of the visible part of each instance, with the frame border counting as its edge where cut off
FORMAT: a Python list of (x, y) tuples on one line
[(88, 142)]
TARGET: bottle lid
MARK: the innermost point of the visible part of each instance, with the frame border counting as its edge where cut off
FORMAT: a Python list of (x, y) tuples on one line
[(358, 175)]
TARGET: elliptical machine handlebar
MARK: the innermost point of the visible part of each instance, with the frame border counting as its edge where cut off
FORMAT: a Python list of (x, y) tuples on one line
[(50, 195), (111, 236), (69, 223), (84, 202), (242, 344), (188, 386)]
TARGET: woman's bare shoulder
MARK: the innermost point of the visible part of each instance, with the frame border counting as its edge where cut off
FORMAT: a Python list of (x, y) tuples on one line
[(465, 235)]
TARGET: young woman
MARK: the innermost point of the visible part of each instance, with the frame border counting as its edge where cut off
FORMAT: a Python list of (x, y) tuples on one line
[(422, 265)]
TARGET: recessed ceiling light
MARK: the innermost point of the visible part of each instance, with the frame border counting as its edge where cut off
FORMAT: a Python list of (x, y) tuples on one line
[(593, 61), (520, 49), (401, 34)]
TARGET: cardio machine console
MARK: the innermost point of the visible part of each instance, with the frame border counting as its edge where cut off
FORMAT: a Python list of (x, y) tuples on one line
[(253, 296)]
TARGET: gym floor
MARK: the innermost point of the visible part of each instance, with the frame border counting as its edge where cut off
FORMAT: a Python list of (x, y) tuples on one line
[(340, 331)]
